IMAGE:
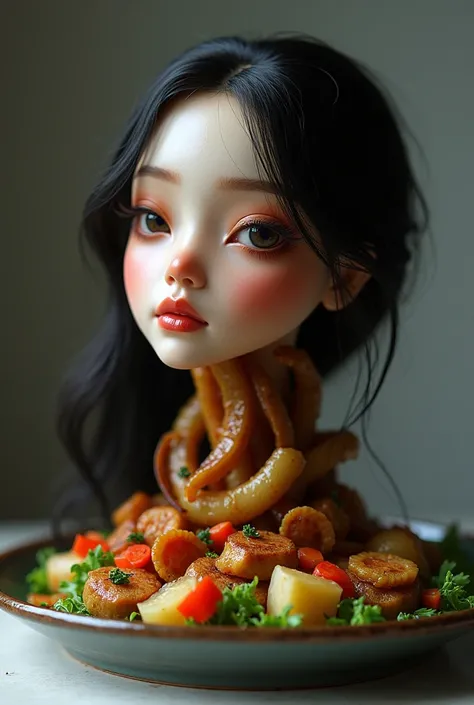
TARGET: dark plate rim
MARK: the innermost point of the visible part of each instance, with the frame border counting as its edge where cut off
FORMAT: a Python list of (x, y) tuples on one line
[(40, 615)]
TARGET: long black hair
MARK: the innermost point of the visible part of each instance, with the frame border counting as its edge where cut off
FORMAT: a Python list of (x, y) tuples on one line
[(327, 138)]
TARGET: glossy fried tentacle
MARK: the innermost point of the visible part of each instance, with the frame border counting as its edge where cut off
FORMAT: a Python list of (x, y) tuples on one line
[(210, 400), (331, 449), (243, 503), (272, 404), (189, 429), (306, 406), (237, 397), (160, 464)]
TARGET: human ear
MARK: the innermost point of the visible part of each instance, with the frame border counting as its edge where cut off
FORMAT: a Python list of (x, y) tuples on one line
[(350, 281)]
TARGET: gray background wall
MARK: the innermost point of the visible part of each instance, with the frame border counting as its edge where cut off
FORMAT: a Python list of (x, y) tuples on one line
[(71, 72)]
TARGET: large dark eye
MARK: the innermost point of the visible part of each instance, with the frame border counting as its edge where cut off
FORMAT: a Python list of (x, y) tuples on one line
[(151, 223), (263, 236)]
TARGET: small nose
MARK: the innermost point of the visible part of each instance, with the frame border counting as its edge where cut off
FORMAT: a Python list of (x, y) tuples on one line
[(186, 270)]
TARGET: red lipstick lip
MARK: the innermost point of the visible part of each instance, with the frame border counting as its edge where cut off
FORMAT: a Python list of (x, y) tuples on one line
[(179, 307)]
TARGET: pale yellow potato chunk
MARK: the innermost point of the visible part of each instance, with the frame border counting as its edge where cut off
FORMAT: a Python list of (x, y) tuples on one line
[(162, 606), (312, 597), (58, 568)]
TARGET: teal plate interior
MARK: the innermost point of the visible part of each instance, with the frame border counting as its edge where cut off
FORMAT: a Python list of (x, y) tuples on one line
[(233, 658)]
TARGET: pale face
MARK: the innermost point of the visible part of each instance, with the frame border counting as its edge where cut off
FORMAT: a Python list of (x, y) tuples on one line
[(250, 286)]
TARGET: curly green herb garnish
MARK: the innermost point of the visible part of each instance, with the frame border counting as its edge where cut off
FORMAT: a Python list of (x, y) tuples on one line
[(119, 577), (205, 536), (250, 532), (354, 611)]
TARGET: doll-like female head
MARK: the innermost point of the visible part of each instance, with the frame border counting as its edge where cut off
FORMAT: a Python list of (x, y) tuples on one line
[(210, 236), (266, 185)]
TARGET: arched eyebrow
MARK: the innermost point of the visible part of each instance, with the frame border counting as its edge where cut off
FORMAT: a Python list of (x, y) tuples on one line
[(228, 184)]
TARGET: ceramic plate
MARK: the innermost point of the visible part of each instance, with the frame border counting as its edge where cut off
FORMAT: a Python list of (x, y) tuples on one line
[(233, 658)]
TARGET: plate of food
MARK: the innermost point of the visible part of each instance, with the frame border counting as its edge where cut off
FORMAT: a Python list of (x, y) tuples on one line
[(237, 577), (281, 580)]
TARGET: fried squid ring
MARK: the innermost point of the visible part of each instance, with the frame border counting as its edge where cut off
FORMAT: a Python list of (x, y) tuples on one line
[(237, 397), (272, 404), (243, 503), (210, 400), (306, 406)]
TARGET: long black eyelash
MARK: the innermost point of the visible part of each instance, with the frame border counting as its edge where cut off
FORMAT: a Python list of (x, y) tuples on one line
[(130, 212), (285, 232)]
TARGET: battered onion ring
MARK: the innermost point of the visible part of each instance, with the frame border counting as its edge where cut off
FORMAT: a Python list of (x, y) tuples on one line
[(307, 399), (210, 400), (238, 401), (245, 502), (334, 448), (272, 404)]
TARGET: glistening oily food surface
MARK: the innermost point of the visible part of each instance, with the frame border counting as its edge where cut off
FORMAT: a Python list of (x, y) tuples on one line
[(261, 533)]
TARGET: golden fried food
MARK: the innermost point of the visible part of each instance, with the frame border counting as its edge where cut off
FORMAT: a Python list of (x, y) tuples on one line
[(158, 520), (336, 515), (103, 598), (131, 508), (238, 402), (305, 526), (307, 398), (207, 566), (383, 570), (247, 557), (241, 504), (172, 553), (160, 464), (189, 425), (402, 542), (330, 449), (210, 402), (272, 404), (117, 539), (390, 600)]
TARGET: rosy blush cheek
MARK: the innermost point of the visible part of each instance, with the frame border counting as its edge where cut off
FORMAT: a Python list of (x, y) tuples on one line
[(269, 293), (137, 273)]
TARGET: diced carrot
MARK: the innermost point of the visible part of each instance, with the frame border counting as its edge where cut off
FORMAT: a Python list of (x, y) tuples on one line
[(83, 543), (431, 598), (219, 535), (174, 552), (137, 555), (308, 558), (201, 603), (329, 571)]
